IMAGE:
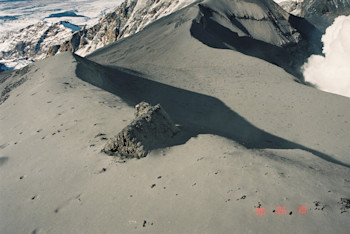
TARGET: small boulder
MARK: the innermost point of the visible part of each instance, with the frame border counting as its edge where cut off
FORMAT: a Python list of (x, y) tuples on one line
[(151, 129)]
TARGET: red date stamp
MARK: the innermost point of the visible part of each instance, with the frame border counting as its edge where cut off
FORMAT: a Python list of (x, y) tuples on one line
[(260, 211), (280, 210), (302, 209)]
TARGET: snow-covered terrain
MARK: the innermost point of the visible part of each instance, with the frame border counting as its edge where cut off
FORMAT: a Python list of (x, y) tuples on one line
[(19, 18), (257, 151), (129, 18), (29, 28), (292, 6), (18, 49), (15, 15)]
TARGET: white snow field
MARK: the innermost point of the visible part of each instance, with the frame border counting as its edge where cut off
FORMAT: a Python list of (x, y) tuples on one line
[(15, 15)]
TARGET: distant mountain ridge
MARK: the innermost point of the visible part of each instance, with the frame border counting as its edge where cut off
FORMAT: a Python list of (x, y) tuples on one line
[(322, 13), (130, 17), (258, 28), (43, 39), (17, 49), (294, 7), (251, 136)]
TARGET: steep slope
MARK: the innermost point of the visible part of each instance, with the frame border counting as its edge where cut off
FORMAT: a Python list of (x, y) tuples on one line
[(251, 137), (292, 6), (54, 180), (242, 82), (130, 17), (258, 28), (261, 29)]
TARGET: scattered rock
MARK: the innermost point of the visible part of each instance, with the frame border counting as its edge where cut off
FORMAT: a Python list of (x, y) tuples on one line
[(345, 204), (100, 134), (153, 185), (258, 206), (151, 129), (319, 205)]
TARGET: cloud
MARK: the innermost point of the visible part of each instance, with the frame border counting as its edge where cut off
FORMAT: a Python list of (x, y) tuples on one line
[(331, 72)]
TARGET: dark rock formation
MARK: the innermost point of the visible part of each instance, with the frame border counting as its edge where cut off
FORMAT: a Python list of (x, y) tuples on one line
[(151, 128), (323, 12), (345, 205), (259, 28), (127, 19), (2, 67)]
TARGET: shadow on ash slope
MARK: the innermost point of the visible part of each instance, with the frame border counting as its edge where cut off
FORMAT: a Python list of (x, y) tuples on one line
[(195, 113), (278, 38)]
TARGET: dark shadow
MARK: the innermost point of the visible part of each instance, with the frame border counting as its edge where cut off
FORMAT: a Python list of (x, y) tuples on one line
[(309, 32), (289, 57), (194, 112)]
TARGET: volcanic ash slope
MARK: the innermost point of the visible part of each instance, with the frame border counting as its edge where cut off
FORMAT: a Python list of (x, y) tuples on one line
[(250, 137)]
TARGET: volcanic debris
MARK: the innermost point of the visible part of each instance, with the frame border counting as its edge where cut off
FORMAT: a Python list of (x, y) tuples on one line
[(151, 129)]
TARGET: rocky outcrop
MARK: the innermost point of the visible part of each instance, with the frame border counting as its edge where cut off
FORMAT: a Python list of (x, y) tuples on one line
[(292, 6), (130, 17), (323, 12), (151, 128), (2, 67), (345, 205), (259, 28)]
